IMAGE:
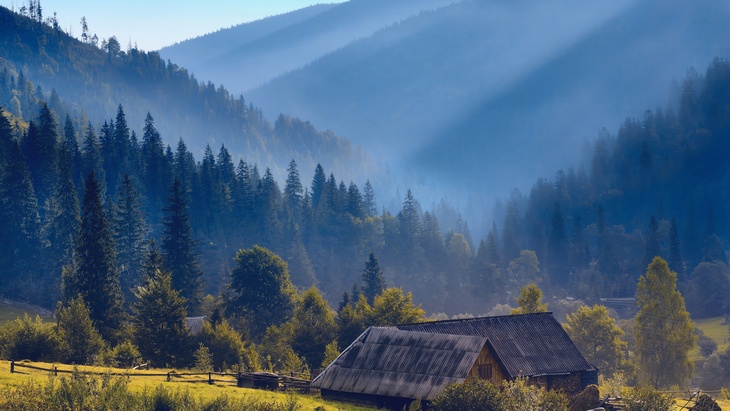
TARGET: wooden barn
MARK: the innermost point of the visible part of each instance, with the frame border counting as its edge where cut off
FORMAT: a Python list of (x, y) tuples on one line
[(392, 366)]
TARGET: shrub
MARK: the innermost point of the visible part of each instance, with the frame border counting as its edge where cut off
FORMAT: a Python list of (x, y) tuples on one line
[(647, 399), (472, 395), (26, 339)]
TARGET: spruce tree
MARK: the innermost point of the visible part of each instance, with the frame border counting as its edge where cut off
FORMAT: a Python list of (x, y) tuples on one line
[(95, 277), (368, 199), (159, 318), (179, 248), (130, 233), (293, 192), (651, 243), (20, 222), (63, 223), (318, 186), (372, 279)]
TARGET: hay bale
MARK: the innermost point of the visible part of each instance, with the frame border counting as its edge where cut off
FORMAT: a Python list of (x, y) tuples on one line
[(586, 400), (706, 403)]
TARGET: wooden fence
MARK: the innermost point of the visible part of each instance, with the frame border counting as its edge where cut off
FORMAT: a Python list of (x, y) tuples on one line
[(260, 380)]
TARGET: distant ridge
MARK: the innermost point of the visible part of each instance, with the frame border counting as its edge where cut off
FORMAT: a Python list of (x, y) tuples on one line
[(248, 55)]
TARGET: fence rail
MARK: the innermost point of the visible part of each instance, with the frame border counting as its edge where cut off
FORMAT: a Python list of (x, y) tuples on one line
[(241, 379)]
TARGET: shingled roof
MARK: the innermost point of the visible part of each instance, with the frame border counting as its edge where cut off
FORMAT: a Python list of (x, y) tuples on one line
[(390, 362), (526, 345)]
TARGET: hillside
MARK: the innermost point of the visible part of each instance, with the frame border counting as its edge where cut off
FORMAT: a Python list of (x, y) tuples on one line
[(248, 55), (41, 62), (445, 95)]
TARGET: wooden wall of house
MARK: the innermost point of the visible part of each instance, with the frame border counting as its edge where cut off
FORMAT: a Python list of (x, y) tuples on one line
[(485, 361), (571, 384)]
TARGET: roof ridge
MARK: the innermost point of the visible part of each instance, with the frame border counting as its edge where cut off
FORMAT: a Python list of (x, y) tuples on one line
[(456, 320)]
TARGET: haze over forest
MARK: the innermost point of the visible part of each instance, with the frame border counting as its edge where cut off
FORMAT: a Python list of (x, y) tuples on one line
[(609, 124)]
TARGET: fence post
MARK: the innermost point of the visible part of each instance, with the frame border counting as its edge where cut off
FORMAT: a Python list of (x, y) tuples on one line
[(210, 378), (12, 367), (55, 371), (168, 377)]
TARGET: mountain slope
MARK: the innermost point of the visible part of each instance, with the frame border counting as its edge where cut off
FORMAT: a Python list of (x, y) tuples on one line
[(248, 55), (85, 81), (481, 90)]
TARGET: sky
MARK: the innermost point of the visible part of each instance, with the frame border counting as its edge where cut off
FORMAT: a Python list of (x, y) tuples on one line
[(153, 24)]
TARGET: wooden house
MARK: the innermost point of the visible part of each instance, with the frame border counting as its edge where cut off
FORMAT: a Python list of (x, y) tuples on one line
[(392, 366)]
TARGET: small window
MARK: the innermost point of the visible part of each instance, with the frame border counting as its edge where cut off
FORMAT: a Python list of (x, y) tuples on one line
[(484, 371)]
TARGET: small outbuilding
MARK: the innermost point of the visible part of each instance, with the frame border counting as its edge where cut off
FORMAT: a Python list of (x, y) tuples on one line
[(393, 366)]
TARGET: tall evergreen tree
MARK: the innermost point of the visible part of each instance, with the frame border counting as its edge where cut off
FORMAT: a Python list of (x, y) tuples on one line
[(92, 159), (651, 243), (372, 279), (95, 277), (20, 222), (130, 235), (293, 192), (40, 148), (155, 177), (675, 261), (559, 266), (72, 152), (318, 186), (369, 200), (159, 318), (179, 248), (63, 217)]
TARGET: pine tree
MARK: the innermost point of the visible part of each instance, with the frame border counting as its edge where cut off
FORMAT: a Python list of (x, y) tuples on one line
[(355, 201), (675, 262), (369, 200), (155, 176), (20, 221), (92, 160), (159, 318), (81, 341), (96, 278), (293, 192), (372, 279), (651, 243), (153, 261), (64, 221), (318, 186), (663, 330), (179, 248), (40, 149), (130, 233), (71, 152), (559, 249)]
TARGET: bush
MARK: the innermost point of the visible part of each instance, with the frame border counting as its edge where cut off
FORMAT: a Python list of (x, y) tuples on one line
[(26, 339), (647, 399), (473, 395)]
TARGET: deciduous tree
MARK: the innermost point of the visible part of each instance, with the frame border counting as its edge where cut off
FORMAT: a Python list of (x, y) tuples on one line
[(263, 291), (598, 338), (663, 328)]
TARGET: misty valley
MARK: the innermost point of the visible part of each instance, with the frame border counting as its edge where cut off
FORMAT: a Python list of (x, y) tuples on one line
[(153, 217)]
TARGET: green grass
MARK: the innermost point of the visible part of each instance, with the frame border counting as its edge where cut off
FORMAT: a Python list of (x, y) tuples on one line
[(201, 391), (716, 329)]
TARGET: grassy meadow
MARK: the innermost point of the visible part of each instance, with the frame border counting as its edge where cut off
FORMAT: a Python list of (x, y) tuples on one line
[(200, 391)]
